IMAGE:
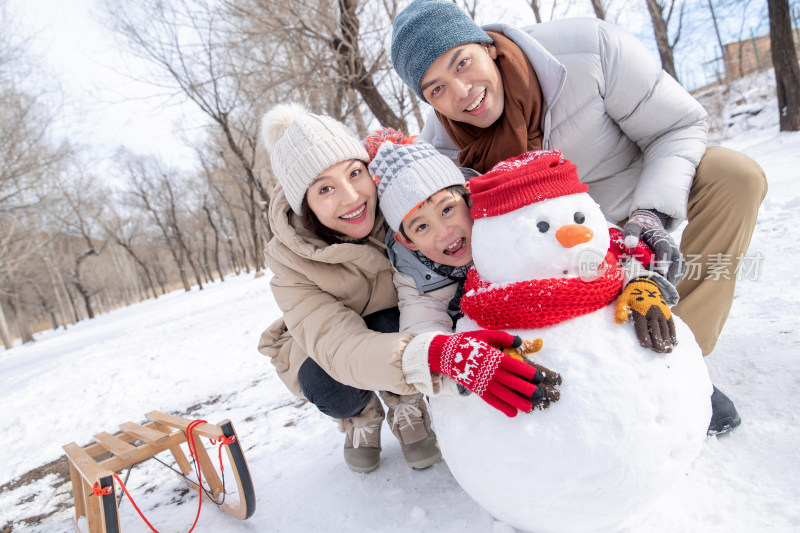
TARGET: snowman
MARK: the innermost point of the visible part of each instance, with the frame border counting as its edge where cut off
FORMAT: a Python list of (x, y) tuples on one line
[(629, 420)]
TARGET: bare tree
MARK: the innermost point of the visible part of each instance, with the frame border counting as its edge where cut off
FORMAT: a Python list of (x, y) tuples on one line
[(661, 22), (207, 204), (79, 213), (27, 160), (153, 192), (186, 41), (784, 59), (355, 70), (124, 230), (314, 50)]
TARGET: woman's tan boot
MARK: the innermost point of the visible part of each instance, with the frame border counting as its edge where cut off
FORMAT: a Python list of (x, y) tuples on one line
[(411, 424), (362, 443)]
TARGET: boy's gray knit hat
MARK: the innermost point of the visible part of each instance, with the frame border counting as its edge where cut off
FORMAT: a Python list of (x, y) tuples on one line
[(409, 174), (302, 145), (424, 31)]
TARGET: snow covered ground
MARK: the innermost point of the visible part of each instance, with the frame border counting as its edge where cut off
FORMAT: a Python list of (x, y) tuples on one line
[(195, 354)]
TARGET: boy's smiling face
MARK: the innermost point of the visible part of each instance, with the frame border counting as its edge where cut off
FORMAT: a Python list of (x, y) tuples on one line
[(441, 229)]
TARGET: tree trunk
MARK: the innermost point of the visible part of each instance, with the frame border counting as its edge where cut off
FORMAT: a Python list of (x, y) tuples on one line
[(232, 255), (22, 324), (535, 8), (204, 267), (784, 59), (599, 11), (57, 285), (660, 30), (182, 270), (4, 333), (161, 276), (719, 38), (351, 64), (45, 305), (361, 124), (142, 265), (85, 294), (178, 234), (126, 290), (78, 284), (257, 250), (74, 309), (216, 241)]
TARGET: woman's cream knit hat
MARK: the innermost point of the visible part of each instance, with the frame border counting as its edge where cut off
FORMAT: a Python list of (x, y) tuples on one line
[(302, 145)]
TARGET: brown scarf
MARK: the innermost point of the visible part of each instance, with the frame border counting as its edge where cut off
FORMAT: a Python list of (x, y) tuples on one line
[(518, 130)]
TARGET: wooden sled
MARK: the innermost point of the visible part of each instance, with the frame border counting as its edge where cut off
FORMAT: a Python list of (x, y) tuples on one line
[(97, 462)]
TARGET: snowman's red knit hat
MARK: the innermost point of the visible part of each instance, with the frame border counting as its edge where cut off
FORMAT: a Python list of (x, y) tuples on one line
[(523, 180)]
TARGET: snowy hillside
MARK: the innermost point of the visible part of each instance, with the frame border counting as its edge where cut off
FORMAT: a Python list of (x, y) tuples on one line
[(195, 354)]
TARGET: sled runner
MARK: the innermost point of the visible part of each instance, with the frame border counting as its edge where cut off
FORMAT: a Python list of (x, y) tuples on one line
[(92, 468)]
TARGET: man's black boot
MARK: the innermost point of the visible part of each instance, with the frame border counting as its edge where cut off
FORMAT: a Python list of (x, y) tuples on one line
[(723, 414)]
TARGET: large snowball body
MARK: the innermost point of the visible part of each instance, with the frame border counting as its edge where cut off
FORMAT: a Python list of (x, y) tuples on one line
[(629, 420), (628, 423)]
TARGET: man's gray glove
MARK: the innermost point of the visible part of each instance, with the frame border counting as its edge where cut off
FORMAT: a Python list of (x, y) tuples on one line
[(648, 225)]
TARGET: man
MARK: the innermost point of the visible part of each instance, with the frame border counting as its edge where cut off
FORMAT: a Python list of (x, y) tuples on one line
[(594, 92)]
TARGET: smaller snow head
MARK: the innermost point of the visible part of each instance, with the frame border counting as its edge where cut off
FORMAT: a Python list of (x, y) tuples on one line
[(534, 220)]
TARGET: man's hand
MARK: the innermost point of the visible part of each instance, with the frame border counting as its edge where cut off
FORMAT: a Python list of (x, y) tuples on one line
[(648, 225), (474, 360), (652, 319)]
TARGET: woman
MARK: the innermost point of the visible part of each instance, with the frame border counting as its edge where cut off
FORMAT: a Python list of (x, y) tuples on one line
[(337, 340)]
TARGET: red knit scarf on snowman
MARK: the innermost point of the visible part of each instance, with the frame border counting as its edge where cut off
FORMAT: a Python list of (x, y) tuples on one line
[(538, 303)]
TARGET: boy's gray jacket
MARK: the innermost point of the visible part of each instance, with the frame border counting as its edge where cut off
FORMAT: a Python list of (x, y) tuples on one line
[(323, 291), (634, 133)]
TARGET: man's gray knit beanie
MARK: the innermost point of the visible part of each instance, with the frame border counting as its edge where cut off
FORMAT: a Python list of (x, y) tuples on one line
[(424, 31)]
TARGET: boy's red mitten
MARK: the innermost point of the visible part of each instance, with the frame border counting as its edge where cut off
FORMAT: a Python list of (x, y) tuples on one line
[(474, 361)]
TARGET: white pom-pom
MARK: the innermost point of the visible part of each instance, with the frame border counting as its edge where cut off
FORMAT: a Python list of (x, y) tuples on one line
[(631, 241), (277, 120)]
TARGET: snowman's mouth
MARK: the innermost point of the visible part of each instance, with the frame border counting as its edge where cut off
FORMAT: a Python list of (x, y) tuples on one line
[(456, 247)]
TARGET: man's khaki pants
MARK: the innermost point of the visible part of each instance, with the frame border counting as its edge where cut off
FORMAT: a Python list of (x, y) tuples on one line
[(723, 204)]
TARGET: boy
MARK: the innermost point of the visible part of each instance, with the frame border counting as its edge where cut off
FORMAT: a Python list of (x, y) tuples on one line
[(423, 197)]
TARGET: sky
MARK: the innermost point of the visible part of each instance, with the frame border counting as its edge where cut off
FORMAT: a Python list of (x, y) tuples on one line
[(104, 106), (196, 353)]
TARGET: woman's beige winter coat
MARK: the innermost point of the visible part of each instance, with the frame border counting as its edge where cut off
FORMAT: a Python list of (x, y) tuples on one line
[(323, 291)]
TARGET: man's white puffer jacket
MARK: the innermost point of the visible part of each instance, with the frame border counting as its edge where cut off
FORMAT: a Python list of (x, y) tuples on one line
[(635, 134)]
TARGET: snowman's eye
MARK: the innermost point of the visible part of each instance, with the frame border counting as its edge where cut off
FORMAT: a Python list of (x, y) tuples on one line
[(543, 226), (579, 217)]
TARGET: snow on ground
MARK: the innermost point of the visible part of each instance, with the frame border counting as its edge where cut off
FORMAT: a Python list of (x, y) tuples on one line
[(195, 354)]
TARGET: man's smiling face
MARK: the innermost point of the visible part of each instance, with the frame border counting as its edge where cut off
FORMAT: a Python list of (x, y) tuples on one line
[(464, 84)]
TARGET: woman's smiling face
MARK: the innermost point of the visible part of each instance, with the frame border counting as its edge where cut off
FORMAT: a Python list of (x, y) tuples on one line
[(344, 199)]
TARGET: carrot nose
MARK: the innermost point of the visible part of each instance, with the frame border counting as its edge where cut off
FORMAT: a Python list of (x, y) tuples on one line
[(573, 235)]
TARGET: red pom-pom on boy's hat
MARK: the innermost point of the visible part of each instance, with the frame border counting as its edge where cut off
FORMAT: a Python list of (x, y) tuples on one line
[(523, 180)]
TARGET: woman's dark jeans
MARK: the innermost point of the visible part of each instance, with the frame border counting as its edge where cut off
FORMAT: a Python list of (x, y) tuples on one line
[(336, 399)]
